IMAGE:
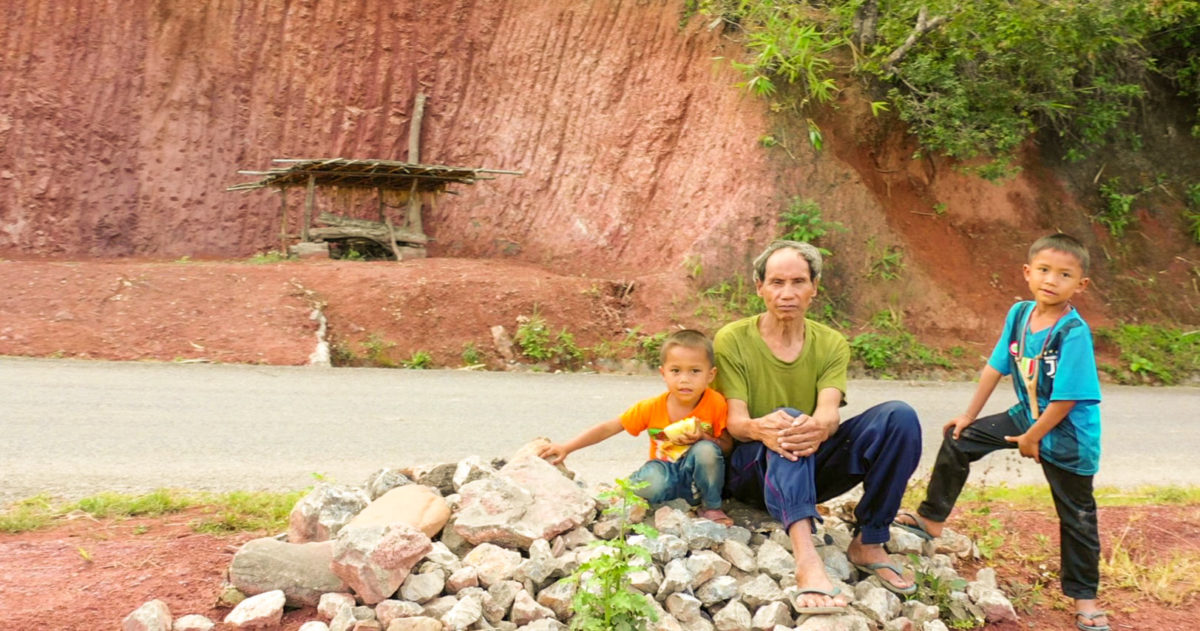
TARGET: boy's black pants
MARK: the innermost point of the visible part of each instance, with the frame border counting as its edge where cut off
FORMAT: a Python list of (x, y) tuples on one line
[(1073, 498)]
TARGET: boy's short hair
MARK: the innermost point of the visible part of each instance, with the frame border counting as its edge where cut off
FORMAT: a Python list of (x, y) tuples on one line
[(1062, 243), (810, 253), (687, 338)]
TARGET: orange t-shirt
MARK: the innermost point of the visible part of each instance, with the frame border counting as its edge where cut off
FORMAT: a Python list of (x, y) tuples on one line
[(652, 414)]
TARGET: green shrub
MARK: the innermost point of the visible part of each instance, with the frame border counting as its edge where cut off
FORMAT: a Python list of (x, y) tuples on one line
[(1153, 353), (419, 360)]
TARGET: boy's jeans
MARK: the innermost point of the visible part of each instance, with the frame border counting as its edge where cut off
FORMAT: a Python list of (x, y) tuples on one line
[(702, 465), (1072, 494)]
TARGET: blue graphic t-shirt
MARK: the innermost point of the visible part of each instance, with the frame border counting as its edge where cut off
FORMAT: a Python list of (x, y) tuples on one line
[(1065, 371)]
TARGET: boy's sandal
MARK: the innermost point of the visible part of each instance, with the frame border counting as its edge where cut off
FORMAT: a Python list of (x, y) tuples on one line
[(918, 527), (1089, 617), (873, 569), (715, 515), (822, 610)]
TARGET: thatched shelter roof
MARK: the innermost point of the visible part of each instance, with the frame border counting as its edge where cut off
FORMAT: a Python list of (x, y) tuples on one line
[(378, 174)]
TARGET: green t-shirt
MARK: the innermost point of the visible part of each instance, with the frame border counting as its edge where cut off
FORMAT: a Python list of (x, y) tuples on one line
[(748, 370)]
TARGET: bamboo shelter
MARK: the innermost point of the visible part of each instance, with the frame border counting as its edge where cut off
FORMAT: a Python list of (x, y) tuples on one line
[(397, 184)]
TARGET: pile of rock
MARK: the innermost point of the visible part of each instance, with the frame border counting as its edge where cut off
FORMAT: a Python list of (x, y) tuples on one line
[(477, 545)]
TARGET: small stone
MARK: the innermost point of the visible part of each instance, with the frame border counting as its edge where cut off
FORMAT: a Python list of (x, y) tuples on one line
[(770, 615), (717, 590), (256, 612), (420, 588), (384, 480), (733, 617), (704, 565), (463, 614), (684, 607), (526, 610), (676, 578), (775, 560), (760, 590), (151, 616), (493, 563), (330, 604), (461, 579), (389, 610), (319, 515), (558, 597), (416, 623), (739, 555), (195, 622)]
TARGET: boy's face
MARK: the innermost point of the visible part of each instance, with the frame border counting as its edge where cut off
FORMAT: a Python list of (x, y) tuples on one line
[(1054, 277), (687, 373)]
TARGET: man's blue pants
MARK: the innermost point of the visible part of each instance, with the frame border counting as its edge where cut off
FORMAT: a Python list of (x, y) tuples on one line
[(880, 448)]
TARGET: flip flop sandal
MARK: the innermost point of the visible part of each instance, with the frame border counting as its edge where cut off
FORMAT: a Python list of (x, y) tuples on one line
[(1090, 617), (819, 611), (872, 569), (917, 528)]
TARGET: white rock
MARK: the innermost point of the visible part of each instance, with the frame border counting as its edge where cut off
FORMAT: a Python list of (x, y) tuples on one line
[(684, 607), (375, 560), (461, 579), (389, 610), (739, 555), (420, 588), (151, 616), (717, 590), (330, 604), (525, 609), (760, 590), (776, 561), (493, 563), (260, 611), (733, 617), (314, 625), (558, 597), (319, 515), (704, 565), (770, 615), (465, 613), (192, 622), (417, 623)]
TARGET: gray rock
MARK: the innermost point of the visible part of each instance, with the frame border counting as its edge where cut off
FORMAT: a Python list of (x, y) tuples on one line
[(733, 617), (417, 623), (421, 588), (493, 563), (935, 625), (770, 615), (719, 589), (375, 560), (527, 500), (663, 548), (954, 544), (540, 565), (704, 565), (300, 570), (440, 477), (775, 560), (876, 602), (841, 622), (543, 624), (331, 603), (558, 597), (526, 610), (314, 625), (703, 534), (739, 555), (389, 610), (685, 608), (502, 596), (151, 616), (464, 613), (384, 480), (676, 578), (918, 611), (256, 612), (995, 606), (669, 520), (837, 564), (899, 624), (470, 469), (962, 610), (759, 590), (646, 580), (439, 607), (319, 515), (904, 542), (461, 579), (986, 576)]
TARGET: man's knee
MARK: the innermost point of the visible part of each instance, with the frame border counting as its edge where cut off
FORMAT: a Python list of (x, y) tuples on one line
[(901, 419), (657, 478)]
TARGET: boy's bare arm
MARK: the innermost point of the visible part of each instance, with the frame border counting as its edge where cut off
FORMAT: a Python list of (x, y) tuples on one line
[(1029, 442), (557, 452), (988, 379)]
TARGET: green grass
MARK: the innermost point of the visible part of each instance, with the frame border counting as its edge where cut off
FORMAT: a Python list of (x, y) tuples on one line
[(220, 513), (1027, 495)]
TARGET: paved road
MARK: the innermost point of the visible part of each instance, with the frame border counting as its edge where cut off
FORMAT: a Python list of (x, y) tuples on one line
[(74, 428)]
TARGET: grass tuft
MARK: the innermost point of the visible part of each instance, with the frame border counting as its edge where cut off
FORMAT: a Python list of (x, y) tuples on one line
[(26, 515)]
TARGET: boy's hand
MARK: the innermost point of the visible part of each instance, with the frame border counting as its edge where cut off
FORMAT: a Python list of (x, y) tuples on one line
[(1027, 445), (555, 453), (959, 423), (689, 438)]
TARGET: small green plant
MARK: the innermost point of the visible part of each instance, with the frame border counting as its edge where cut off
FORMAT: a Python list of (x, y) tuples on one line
[(605, 599), (1117, 213), (939, 209), (735, 298), (802, 221), (565, 350), (26, 515), (471, 355), (270, 256), (184, 259), (419, 360), (936, 591), (888, 262), (1152, 353), (378, 350), (649, 347), (155, 503), (893, 347), (533, 337)]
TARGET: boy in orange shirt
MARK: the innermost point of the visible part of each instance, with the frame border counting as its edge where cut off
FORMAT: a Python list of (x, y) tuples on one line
[(693, 459)]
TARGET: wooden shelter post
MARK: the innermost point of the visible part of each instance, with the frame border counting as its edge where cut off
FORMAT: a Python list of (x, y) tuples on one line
[(413, 217), (283, 235), (308, 208)]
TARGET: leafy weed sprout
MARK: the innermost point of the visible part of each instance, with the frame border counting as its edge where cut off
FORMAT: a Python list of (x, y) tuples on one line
[(419, 360), (606, 600)]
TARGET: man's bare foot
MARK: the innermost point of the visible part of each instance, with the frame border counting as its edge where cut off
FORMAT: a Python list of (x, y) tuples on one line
[(873, 555), (916, 524), (715, 514), (810, 572), (1089, 617)]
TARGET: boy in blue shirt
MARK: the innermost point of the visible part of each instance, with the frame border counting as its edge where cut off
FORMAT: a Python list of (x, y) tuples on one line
[(1047, 348)]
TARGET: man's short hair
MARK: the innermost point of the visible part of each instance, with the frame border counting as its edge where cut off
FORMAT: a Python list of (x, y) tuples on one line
[(687, 338), (1063, 243), (806, 250)]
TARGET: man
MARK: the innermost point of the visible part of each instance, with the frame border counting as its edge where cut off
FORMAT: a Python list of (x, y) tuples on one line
[(785, 379)]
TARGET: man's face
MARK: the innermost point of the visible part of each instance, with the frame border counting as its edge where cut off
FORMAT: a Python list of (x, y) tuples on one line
[(787, 286)]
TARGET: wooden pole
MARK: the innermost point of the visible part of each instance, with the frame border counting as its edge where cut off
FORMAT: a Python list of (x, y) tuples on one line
[(308, 208), (413, 218), (379, 192), (283, 220)]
